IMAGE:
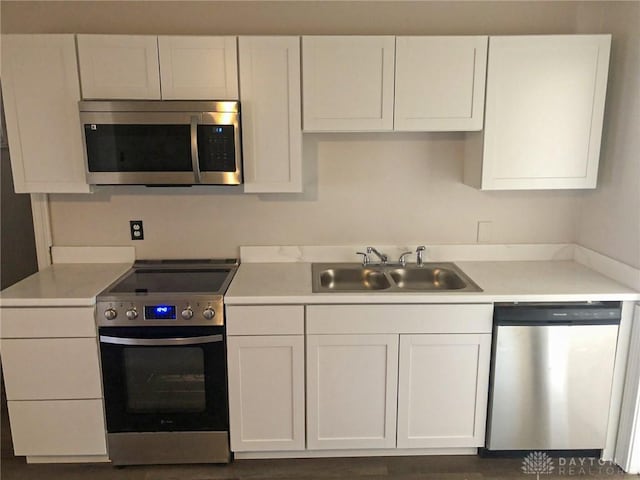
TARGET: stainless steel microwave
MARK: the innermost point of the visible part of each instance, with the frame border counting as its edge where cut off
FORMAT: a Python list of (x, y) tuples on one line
[(161, 142)]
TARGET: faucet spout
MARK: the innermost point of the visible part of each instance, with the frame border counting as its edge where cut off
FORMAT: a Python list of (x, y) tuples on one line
[(383, 258)]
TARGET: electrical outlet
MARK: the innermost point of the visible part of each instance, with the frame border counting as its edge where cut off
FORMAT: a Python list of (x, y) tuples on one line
[(137, 233)]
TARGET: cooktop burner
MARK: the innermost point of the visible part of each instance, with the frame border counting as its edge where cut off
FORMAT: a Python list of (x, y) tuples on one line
[(162, 292)]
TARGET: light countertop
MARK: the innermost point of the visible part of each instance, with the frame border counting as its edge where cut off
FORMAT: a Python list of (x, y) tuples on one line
[(502, 281), (64, 284), (290, 283)]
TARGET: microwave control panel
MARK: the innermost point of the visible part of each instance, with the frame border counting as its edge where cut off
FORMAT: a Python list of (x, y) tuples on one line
[(216, 148)]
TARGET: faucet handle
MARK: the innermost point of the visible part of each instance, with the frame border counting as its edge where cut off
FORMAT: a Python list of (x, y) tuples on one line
[(402, 260), (383, 258), (365, 258), (419, 251)]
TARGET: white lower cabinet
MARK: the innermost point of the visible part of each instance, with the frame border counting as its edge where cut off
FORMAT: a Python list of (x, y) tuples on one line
[(378, 377), (265, 361), (266, 392), (351, 391), (51, 368), (442, 390), (57, 427)]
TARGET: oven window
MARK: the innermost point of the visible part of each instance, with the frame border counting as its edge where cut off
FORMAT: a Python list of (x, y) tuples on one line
[(164, 380)]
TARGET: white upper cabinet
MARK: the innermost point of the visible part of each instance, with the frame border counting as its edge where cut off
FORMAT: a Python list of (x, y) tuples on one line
[(440, 83), (271, 124), (348, 83), (360, 83), (544, 112), (40, 89), (119, 66), (152, 68), (198, 68)]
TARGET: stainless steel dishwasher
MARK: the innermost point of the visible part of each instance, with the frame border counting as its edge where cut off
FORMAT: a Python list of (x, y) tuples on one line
[(551, 375)]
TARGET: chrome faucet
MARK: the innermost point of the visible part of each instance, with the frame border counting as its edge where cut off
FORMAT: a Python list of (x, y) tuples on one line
[(419, 252), (383, 258), (403, 260), (365, 258)]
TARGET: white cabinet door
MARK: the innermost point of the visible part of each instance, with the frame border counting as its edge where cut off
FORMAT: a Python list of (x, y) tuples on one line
[(442, 390), (544, 111), (440, 83), (271, 128), (266, 392), (51, 368), (40, 89), (119, 66), (198, 68), (58, 427), (347, 83), (351, 391)]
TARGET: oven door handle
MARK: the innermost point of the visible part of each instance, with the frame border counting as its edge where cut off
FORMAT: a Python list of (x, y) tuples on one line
[(153, 342)]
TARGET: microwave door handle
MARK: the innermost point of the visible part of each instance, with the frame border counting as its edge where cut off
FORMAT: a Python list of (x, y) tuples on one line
[(195, 160), (159, 342)]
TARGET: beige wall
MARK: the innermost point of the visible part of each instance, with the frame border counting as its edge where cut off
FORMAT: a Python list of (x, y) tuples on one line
[(288, 17), (609, 220), (360, 188)]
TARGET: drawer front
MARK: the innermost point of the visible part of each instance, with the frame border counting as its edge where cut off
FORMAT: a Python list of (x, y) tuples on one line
[(51, 368), (47, 322), (440, 318), (61, 427), (265, 320)]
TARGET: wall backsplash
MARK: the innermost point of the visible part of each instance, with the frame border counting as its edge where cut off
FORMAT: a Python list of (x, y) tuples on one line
[(359, 188)]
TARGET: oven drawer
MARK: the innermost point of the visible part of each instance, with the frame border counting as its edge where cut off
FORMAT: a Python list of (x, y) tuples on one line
[(51, 368), (265, 320), (47, 322), (58, 427)]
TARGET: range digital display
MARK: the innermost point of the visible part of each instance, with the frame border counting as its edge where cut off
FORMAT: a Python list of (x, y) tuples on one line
[(160, 312)]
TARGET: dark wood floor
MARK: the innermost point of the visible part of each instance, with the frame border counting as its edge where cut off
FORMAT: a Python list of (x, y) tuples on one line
[(372, 468)]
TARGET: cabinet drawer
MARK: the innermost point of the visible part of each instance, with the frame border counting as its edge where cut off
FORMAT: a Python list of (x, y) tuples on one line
[(441, 318), (265, 320), (47, 322), (51, 368), (63, 427)]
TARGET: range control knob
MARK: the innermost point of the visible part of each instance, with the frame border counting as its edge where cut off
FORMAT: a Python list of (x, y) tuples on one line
[(208, 313), (132, 314), (110, 314), (187, 313)]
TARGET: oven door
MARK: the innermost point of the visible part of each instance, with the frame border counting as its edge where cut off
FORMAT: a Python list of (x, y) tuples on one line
[(159, 379)]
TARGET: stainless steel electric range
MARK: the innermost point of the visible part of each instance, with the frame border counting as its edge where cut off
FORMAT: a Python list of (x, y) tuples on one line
[(162, 347)]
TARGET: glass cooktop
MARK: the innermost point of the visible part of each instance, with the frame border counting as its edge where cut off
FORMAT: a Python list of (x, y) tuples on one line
[(177, 276)]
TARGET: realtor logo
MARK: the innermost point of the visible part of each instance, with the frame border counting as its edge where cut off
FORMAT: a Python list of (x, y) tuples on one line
[(537, 463)]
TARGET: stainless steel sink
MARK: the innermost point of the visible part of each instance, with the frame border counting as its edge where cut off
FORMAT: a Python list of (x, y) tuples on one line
[(427, 278), (353, 277)]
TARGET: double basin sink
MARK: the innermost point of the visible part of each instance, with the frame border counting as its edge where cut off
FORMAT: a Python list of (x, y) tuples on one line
[(354, 277)]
